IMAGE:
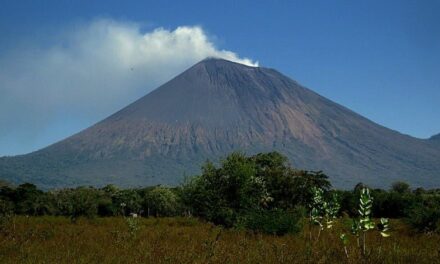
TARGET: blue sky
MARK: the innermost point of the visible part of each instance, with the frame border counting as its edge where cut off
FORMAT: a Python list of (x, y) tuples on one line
[(378, 58)]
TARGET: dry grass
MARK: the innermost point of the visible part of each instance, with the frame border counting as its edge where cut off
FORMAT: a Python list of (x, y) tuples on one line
[(181, 240)]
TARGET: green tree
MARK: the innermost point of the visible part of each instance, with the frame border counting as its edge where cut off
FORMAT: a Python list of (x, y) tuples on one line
[(220, 194), (305, 181), (31, 201), (400, 187), (161, 201), (242, 184), (129, 201), (82, 201), (424, 216)]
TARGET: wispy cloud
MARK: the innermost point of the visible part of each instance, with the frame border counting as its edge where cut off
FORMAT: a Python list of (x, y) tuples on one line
[(88, 72)]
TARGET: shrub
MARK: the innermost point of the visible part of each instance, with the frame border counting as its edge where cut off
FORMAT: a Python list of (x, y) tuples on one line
[(425, 218), (276, 221), (5, 214)]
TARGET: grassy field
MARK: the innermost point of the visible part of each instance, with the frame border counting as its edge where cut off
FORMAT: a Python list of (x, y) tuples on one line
[(187, 240)]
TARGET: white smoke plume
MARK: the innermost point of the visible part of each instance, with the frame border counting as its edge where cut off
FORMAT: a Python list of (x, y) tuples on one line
[(88, 72)]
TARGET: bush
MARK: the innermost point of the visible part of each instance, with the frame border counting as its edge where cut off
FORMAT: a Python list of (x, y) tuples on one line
[(276, 221), (5, 214), (425, 218)]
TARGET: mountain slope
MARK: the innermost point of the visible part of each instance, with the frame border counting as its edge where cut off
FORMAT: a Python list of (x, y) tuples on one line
[(216, 107), (435, 138)]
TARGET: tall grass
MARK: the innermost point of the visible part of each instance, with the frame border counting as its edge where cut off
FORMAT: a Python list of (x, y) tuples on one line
[(187, 240)]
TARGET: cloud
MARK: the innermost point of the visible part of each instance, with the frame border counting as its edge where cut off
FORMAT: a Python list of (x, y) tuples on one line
[(88, 72)]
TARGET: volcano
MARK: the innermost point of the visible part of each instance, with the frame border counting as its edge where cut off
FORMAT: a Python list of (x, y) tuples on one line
[(217, 107)]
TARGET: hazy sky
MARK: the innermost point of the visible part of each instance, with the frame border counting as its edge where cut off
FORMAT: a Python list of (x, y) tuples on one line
[(66, 64)]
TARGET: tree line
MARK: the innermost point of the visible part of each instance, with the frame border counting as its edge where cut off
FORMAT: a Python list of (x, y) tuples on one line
[(261, 192)]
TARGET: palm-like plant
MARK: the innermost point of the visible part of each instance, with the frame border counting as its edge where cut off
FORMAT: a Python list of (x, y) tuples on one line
[(384, 227), (323, 212), (365, 223), (317, 207), (331, 210)]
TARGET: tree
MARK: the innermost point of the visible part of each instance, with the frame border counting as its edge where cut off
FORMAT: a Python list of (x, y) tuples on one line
[(358, 187), (278, 177), (400, 187), (220, 194), (424, 215), (29, 200), (242, 184), (129, 201), (161, 201), (305, 181), (82, 201)]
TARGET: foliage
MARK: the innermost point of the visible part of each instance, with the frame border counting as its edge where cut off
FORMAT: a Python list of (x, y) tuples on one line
[(224, 192), (425, 216), (77, 202), (219, 194), (365, 205), (244, 184), (128, 200), (161, 201), (400, 187), (274, 221), (384, 227), (6, 214), (323, 211), (171, 240), (133, 226), (361, 226)]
